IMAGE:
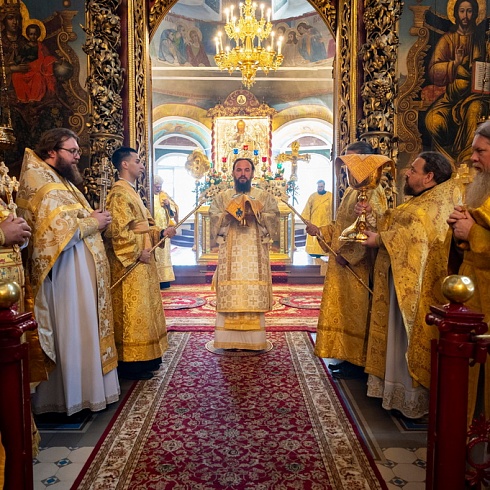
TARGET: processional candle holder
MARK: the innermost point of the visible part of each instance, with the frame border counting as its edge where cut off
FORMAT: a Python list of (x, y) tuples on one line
[(364, 173)]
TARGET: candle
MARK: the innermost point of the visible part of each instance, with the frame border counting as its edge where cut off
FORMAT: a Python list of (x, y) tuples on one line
[(279, 44), (261, 11), (268, 15), (217, 45), (227, 12)]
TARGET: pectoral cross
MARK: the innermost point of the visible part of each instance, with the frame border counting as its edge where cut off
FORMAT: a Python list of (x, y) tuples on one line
[(294, 157), (8, 185), (465, 176)]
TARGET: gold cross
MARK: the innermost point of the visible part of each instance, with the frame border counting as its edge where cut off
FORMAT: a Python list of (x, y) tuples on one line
[(294, 157)]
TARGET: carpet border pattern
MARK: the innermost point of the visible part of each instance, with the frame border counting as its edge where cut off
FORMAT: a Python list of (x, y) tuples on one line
[(346, 459)]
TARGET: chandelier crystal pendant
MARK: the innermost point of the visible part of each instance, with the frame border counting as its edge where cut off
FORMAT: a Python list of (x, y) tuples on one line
[(254, 43)]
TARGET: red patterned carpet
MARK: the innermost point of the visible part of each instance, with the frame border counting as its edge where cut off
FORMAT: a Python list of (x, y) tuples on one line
[(271, 421), (295, 308)]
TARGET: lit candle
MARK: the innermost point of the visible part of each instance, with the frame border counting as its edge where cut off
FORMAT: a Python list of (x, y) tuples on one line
[(261, 11), (227, 12), (231, 13), (220, 41), (217, 45), (279, 44), (268, 15)]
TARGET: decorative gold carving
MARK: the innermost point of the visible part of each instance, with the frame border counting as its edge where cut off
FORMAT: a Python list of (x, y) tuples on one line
[(234, 106), (158, 11), (139, 78), (379, 90), (104, 82), (327, 10)]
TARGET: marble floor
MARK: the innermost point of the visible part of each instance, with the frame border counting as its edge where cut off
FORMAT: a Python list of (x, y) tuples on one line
[(399, 452)]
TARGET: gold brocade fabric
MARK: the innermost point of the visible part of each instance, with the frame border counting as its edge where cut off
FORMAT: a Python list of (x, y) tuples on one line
[(413, 248), (318, 210), (343, 321), (476, 265), (139, 320), (56, 210), (362, 166), (163, 220), (243, 279)]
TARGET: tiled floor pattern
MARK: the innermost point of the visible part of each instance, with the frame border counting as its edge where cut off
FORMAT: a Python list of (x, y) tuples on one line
[(56, 468)]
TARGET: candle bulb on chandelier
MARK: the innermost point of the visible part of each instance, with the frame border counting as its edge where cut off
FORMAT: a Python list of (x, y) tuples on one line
[(217, 45), (279, 44), (261, 11), (268, 15), (272, 41), (227, 12)]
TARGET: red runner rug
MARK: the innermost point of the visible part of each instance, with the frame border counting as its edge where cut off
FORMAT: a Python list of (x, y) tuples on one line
[(271, 421), (201, 317)]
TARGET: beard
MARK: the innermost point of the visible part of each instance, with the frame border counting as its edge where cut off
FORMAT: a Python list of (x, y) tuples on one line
[(243, 186), (322, 193), (479, 190), (408, 190), (69, 171)]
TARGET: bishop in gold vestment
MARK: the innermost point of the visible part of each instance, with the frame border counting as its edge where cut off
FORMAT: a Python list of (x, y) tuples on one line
[(409, 270), (68, 270), (244, 220), (139, 320)]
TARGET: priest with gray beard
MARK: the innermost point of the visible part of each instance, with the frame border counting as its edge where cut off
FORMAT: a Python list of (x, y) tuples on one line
[(470, 249)]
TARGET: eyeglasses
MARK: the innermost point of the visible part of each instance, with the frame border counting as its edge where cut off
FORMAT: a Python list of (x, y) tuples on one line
[(73, 151)]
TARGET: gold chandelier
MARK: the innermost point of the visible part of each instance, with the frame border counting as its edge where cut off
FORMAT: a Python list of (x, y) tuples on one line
[(253, 49)]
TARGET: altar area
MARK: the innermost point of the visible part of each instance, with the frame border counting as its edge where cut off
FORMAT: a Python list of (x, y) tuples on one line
[(242, 127)]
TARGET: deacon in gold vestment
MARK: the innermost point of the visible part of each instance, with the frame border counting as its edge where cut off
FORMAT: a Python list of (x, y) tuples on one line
[(318, 210), (409, 270), (472, 226), (139, 320), (344, 311), (245, 220), (68, 270), (166, 214)]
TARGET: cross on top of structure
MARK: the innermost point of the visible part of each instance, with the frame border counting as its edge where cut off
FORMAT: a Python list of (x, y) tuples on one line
[(294, 157)]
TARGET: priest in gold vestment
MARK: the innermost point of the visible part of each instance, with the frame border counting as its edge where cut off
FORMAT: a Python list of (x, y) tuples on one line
[(472, 226), (166, 214), (245, 221), (344, 311), (139, 320), (409, 270), (318, 210), (68, 270)]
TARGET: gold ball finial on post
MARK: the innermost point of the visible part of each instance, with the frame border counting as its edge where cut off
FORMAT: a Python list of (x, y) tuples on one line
[(9, 294), (458, 289)]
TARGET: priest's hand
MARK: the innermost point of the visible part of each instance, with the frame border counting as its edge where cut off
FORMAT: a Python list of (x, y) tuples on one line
[(16, 230), (104, 218), (371, 240), (145, 256), (170, 232), (461, 222), (362, 205), (312, 229)]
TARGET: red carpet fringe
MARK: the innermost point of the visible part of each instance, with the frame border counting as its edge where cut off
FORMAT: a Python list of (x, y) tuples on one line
[(271, 421), (192, 308)]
